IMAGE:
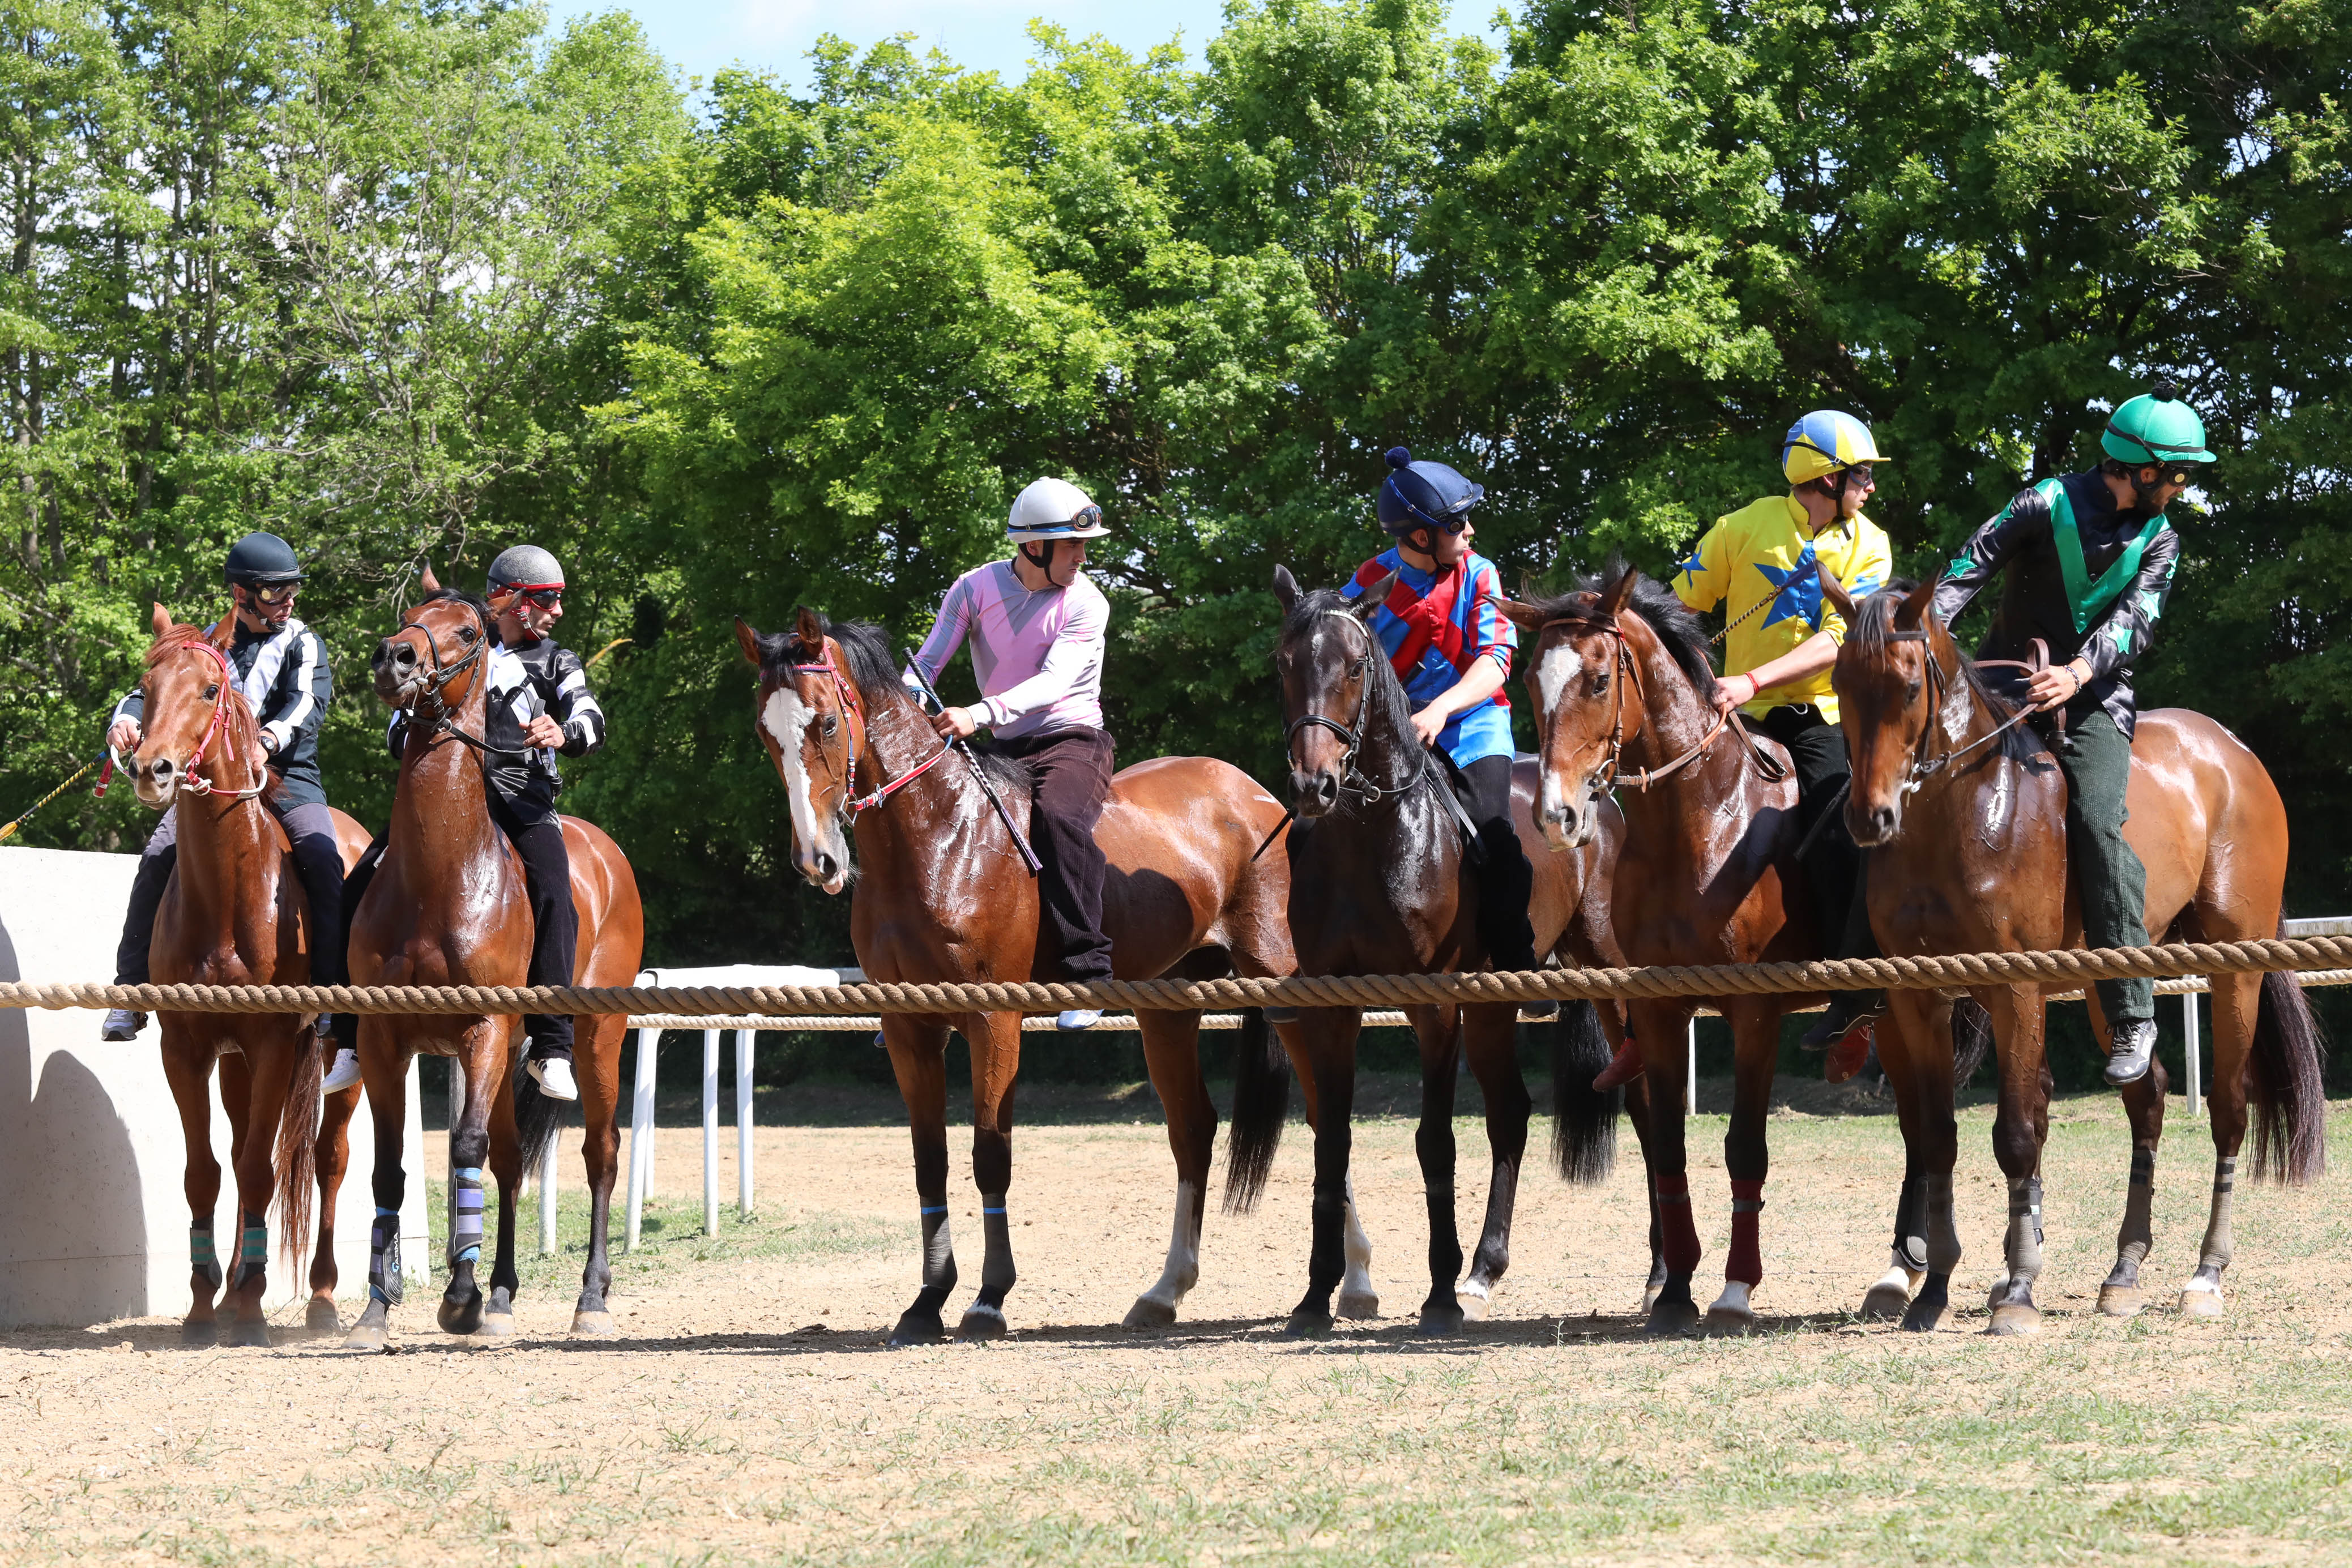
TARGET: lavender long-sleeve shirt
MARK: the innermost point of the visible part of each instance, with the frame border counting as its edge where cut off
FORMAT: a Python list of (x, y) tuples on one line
[(1039, 656)]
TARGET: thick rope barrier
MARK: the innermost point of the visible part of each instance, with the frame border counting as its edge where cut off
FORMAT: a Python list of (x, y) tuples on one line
[(2067, 969)]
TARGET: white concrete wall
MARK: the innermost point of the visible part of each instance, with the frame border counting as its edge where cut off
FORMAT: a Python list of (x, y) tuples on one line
[(93, 1219)]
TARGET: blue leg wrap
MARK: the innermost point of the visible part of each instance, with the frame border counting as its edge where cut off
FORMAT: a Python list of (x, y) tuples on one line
[(253, 1248), (202, 1259), (466, 1234), (384, 1257)]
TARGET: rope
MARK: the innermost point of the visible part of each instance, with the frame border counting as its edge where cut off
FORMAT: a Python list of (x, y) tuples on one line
[(2068, 968)]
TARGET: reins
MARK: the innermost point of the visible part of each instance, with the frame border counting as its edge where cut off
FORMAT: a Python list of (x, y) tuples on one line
[(442, 721), (852, 803), (1630, 672), (1925, 766)]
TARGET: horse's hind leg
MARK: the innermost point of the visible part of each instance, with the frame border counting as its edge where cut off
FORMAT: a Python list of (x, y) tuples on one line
[(1329, 1039), (1637, 1112), (2120, 1295), (188, 1068), (1359, 1297), (1914, 1046), (1490, 1035), (600, 1103), (1755, 1042), (1439, 1028), (384, 1072), (506, 1168), (917, 1044), (996, 1040), (1662, 1026), (334, 1158), (1171, 1053), (2237, 1010)]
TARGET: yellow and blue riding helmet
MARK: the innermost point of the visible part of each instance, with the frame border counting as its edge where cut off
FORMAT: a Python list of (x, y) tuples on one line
[(1826, 441)]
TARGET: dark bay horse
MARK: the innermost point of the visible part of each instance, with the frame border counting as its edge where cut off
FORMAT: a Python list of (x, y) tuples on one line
[(1968, 853), (1380, 886), (233, 915), (1707, 875), (942, 896), (448, 908)]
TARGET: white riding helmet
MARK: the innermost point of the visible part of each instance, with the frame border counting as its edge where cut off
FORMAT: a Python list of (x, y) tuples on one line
[(1054, 509)]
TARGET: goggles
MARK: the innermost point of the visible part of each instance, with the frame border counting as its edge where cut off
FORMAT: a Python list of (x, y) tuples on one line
[(1856, 474), (541, 595), (274, 593)]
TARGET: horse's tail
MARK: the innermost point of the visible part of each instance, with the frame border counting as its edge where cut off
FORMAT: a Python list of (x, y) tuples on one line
[(1261, 1105), (1583, 1119), (1972, 1040), (2288, 1083), (297, 1160), (538, 1119)]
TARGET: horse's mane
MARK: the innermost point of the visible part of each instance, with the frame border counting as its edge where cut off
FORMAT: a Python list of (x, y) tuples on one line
[(1387, 691), (1872, 628), (873, 670), (1675, 623), (244, 730), (459, 595)]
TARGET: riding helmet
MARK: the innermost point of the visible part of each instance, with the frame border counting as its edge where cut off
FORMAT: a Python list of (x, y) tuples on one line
[(1054, 509), (526, 567), (2155, 427), (1418, 496), (1826, 441), (260, 560)]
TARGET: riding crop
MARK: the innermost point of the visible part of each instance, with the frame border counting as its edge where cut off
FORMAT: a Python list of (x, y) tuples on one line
[(8, 830)]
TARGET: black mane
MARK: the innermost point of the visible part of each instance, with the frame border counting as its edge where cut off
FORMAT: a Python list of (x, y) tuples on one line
[(1675, 623), (873, 670), (460, 596)]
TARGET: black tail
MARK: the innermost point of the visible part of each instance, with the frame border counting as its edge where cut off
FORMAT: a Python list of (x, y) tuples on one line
[(2285, 1073), (1972, 1040), (1261, 1104), (537, 1120), (1583, 1119)]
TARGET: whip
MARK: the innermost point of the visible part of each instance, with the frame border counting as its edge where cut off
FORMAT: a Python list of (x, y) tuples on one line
[(1028, 856), (8, 830)]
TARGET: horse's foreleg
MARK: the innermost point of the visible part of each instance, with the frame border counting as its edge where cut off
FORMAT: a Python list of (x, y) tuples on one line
[(1490, 1036), (1439, 1028), (1914, 1046), (2119, 1293), (334, 1159), (1329, 1036), (2237, 1004), (188, 1068), (503, 1062), (469, 1148), (1662, 1028), (1172, 1054), (996, 1040), (1755, 1047), (1360, 1296), (917, 1044), (599, 1066), (268, 1076), (1637, 1112), (384, 1072), (2020, 1125)]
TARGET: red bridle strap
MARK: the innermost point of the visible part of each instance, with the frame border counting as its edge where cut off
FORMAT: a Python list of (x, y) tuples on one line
[(852, 802), (194, 782)]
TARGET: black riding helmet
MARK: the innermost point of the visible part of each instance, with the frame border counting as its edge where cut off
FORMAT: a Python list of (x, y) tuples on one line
[(262, 560)]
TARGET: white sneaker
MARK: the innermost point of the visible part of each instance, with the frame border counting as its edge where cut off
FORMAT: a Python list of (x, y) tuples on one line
[(343, 1073), (121, 1024), (554, 1077), (1076, 1018)]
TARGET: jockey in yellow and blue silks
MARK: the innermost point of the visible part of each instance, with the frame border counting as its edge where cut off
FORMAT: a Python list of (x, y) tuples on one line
[(1763, 563)]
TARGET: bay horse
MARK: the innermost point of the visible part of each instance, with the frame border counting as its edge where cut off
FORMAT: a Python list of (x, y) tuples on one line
[(1380, 886), (233, 914), (942, 897), (1963, 817), (1707, 874), (447, 907)]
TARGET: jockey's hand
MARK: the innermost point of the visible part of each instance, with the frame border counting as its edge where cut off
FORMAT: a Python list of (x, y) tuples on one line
[(543, 731), (2057, 686), (954, 723), (1732, 691), (122, 736), (1429, 724)]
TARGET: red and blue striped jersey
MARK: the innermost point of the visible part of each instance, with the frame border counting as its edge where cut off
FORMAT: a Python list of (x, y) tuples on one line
[(1434, 626)]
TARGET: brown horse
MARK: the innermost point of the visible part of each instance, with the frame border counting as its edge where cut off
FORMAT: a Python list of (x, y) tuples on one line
[(234, 914), (1380, 884), (448, 908), (942, 896), (1965, 826), (1707, 875)]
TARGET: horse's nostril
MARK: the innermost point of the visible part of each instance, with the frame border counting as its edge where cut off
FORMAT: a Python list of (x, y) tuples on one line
[(824, 866)]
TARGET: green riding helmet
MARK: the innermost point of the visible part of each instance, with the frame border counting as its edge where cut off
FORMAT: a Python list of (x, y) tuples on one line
[(2157, 428)]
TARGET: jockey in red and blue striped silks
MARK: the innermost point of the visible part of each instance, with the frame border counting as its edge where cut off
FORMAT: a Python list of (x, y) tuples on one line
[(1433, 626)]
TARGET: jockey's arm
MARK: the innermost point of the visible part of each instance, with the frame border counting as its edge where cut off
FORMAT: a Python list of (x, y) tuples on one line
[(1810, 657), (1482, 680)]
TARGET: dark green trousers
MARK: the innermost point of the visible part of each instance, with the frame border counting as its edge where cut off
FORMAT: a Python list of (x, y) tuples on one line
[(2108, 876)]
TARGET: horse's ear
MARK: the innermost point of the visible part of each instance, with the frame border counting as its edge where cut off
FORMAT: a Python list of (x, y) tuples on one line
[(224, 633), (1621, 593), (161, 620), (1286, 588), (426, 580), (1912, 614), (748, 639), (810, 630), (1834, 592), (1372, 598), (1526, 617)]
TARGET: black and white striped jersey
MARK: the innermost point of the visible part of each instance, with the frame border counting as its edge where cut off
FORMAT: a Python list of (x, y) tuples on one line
[(285, 678)]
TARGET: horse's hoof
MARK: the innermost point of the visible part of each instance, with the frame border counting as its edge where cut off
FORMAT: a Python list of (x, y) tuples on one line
[(497, 1325), (1363, 1305), (204, 1330), (364, 1336), (1148, 1315), (981, 1323), (252, 1332), (1441, 1322), (595, 1326), (1726, 1322), (917, 1328), (2121, 1301), (462, 1315), (1477, 1300), (1887, 1299), (2015, 1318), (1306, 1324), (1674, 1314), (2206, 1303), (321, 1317), (1923, 1317)]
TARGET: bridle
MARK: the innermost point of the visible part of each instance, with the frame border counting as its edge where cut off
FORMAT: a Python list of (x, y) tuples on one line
[(437, 677), (1629, 672), (1926, 760), (852, 803), (196, 783), (1353, 778)]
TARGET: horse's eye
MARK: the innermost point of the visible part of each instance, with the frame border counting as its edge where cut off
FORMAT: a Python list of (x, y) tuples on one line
[(212, 693), (1600, 685), (1911, 693), (830, 725), (467, 634), (1358, 671)]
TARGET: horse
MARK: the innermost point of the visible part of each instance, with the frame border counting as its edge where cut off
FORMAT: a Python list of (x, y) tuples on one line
[(1963, 817), (941, 897), (447, 907), (1624, 693), (1380, 884), (233, 915)]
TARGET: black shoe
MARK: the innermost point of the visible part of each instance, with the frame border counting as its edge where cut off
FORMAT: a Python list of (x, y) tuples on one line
[(1539, 1012), (2133, 1052), (1848, 1011)]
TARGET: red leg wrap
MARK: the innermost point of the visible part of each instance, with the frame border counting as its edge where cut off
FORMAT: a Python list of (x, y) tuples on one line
[(1744, 1262), (1682, 1234)]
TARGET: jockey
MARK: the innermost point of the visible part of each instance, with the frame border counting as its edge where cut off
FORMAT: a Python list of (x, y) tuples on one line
[(1447, 639), (2087, 562), (283, 673), (1781, 645), (540, 707), (1037, 628)]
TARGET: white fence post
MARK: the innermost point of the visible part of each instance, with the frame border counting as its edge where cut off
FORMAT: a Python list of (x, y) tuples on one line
[(456, 1115), (745, 1039), (2189, 1026), (710, 1132), (547, 1192), (640, 1135), (1690, 1078)]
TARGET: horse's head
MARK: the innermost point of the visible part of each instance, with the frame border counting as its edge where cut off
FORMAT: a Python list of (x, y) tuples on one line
[(814, 726), (1331, 670), (439, 655), (1896, 663), (192, 706), (1588, 700)]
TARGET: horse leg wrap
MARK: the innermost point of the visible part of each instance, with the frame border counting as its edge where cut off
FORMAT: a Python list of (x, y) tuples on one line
[(384, 1257), (2215, 1253), (1682, 1232), (252, 1247), (203, 1261), (2138, 1234), (2024, 1240), (1942, 1253), (465, 1232), (939, 1254), (996, 1271), (1911, 1223), (1745, 1261)]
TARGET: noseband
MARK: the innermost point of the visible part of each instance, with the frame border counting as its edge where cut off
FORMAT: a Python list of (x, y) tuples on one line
[(441, 721)]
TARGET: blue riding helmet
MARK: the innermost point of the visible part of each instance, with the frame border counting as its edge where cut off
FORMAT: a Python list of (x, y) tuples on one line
[(1425, 496)]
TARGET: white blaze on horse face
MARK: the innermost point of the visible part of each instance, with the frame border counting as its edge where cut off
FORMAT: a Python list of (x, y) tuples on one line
[(786, 719), (1560, 666)]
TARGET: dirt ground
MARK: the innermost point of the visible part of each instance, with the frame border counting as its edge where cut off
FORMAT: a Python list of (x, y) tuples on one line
[(750, 1412)]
